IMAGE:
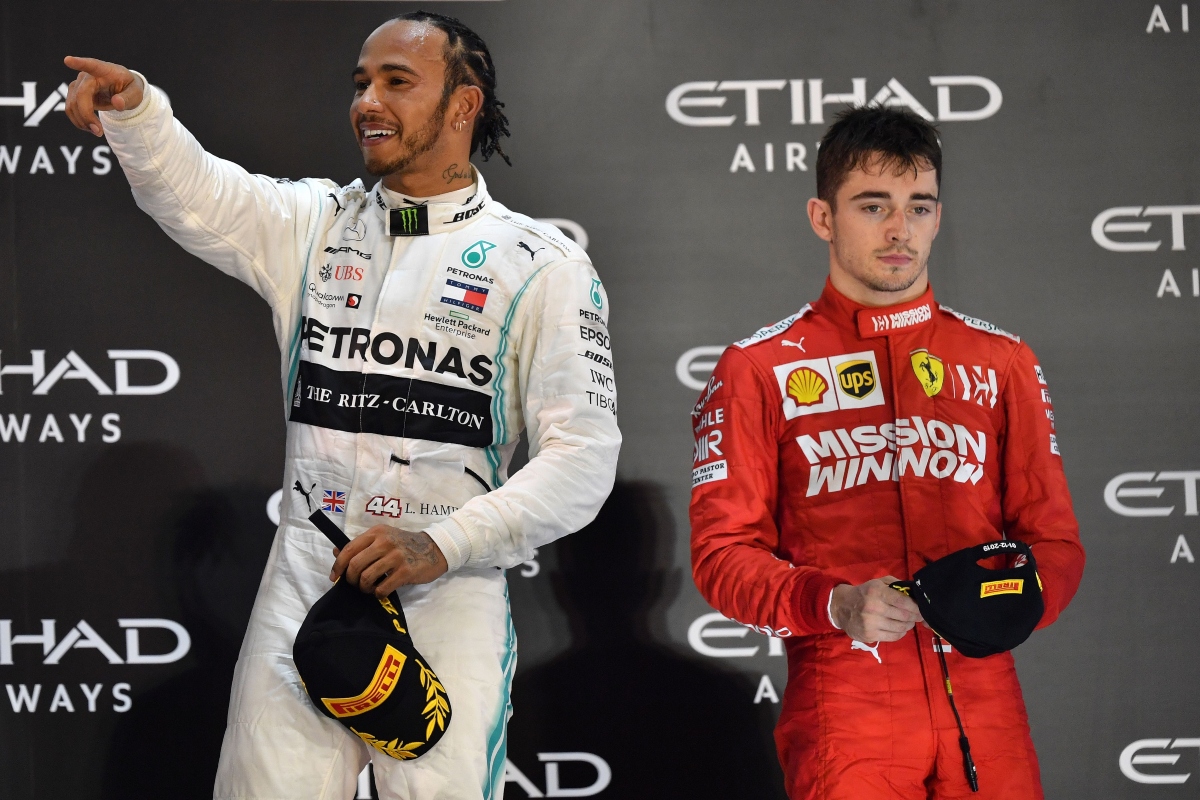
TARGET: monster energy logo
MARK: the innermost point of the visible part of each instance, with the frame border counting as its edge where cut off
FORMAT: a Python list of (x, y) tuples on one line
[(408, 221)]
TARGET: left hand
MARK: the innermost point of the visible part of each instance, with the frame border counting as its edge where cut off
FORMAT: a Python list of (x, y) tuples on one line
[(383, 559)]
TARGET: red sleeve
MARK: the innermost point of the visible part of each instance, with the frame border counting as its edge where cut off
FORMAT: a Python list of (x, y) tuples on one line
[(735, 481), (1036, 502)]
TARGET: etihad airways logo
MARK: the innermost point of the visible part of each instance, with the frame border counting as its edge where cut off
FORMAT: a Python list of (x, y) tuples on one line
[(1133, 762), (906, 447), (73, 367), (960, 98), (33, 110), (1123, 488), (1133, 220)]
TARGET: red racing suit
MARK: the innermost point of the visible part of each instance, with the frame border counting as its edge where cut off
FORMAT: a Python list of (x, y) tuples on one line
[(847, 443)]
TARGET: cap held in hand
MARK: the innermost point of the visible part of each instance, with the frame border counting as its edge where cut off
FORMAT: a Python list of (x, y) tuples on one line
[(980, 611), (359, 666)]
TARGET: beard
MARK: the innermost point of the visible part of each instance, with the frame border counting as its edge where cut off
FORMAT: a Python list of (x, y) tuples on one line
[(413, 146), (882, 278)]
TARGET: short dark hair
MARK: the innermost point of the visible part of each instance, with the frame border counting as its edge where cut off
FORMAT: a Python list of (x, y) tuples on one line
[(469, 63), (900, 139)]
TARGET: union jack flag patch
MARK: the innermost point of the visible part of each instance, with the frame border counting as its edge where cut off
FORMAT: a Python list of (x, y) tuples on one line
[(334, 502)]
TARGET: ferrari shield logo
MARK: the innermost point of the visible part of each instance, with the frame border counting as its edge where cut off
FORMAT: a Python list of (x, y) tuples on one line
[(929, 370)]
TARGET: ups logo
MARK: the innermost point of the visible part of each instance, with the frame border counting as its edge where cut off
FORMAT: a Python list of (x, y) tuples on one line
[(856, 378)]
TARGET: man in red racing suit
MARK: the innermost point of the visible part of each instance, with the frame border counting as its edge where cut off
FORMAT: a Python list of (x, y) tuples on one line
[(849, 443)]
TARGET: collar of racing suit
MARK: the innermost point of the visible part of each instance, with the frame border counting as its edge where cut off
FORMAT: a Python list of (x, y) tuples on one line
[(875, 321), (447, 212)]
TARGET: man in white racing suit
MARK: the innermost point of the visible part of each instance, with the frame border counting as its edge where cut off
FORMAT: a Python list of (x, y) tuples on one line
[(422, 325)]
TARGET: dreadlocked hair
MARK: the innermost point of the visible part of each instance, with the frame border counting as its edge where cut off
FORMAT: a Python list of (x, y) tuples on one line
[(469, 63)]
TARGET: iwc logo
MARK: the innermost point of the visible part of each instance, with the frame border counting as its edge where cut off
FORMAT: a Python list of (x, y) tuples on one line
[(475, 255)]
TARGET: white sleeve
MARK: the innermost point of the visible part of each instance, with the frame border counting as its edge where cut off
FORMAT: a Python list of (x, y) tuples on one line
[(249, 226), (571, 424)]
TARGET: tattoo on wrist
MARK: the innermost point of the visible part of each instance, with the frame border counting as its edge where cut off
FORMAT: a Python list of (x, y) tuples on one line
[(452, 173), (415, 547)]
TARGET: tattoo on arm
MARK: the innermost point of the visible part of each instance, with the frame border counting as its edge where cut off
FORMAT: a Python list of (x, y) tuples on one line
[(452, 173)]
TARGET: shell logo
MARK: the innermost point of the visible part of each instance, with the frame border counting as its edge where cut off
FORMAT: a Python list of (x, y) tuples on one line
[(806, 387)]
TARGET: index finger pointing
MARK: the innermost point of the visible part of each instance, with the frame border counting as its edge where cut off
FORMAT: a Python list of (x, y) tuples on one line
[(92, 66)]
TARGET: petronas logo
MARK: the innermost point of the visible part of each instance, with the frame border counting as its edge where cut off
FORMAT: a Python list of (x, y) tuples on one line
[(474, 256), (597, 298)]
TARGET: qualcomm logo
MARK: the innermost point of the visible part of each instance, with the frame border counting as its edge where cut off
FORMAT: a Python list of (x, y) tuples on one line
[(34, 111), (808, 99), (1131, 758)]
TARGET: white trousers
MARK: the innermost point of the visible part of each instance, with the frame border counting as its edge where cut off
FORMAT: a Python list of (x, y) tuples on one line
[(279, 747)]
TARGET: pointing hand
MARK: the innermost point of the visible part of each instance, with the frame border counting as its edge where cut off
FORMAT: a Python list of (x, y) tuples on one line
[(101, 86)]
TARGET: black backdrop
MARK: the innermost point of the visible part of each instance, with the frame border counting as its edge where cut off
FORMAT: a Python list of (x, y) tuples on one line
[(134, 522)]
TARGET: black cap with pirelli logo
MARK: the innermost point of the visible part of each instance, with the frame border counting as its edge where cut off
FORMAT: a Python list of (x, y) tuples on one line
[(979, 610), (359, 666)]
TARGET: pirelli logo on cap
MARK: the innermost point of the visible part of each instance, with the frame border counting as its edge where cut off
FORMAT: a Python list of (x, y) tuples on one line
[(993, 588), (380, 688)]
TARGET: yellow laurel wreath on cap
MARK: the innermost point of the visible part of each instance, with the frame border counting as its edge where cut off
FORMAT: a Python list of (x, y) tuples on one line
[(437, 706), (395, 748)]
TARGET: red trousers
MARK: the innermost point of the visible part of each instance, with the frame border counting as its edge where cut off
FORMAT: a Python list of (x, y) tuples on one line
[(859, 727)]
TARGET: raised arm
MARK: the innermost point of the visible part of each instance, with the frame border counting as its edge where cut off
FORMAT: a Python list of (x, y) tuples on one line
[(249, 226)]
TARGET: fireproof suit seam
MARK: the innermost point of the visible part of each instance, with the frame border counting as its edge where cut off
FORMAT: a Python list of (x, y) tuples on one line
[(822, 716), (1002, 431), (297, 342), (777, 425)]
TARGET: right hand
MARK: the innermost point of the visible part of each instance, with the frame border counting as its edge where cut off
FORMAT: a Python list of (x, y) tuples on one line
[(874, 611), (101, 86)]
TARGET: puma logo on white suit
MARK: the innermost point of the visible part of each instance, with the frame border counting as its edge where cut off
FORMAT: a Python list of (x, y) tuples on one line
[(855, 644)]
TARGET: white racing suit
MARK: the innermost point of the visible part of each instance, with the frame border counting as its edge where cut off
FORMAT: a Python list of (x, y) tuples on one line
[(411, 363)]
